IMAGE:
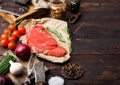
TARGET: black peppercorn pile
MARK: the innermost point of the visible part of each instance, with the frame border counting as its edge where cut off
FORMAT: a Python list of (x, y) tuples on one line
[(72, 71)]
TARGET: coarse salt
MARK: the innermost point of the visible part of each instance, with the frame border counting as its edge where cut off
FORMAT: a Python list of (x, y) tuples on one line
[(57, 80)]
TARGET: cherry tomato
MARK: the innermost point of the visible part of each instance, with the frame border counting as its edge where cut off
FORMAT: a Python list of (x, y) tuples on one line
[(16, 33), (4, 36), (11, 45), (11, 27), (6, 31), (21, 30), (11, 38), (4, 42)]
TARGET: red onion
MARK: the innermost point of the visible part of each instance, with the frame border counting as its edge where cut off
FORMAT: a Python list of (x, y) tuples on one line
[(23, 52), (4, 80)]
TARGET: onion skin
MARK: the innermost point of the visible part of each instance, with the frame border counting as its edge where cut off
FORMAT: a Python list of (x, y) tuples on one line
[(23, 52), (4, 80)]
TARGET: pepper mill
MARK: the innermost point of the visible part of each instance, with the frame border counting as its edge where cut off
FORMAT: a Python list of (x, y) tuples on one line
[(73, 5)]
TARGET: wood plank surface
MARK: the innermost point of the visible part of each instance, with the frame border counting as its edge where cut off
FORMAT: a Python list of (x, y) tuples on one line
[(95, 41)]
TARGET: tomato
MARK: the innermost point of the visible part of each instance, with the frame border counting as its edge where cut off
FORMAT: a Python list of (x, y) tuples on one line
[(16, 33), (4, 36), (11, 38), (6, 31), (11, 27), (21, 30), (4, 42), (11, 45)]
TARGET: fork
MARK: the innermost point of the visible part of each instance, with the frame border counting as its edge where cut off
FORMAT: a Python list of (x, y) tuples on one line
[(30, 68)]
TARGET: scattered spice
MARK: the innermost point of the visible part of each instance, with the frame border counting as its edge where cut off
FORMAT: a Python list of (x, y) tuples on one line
[(72, 71)]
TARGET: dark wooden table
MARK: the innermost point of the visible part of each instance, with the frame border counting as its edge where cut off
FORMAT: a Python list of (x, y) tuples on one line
[(95, 42)]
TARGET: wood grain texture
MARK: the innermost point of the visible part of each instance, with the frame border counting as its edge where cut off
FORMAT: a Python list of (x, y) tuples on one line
[(95, 41)]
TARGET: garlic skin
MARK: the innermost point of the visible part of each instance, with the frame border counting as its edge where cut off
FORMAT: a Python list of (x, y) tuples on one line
[(15, 68)]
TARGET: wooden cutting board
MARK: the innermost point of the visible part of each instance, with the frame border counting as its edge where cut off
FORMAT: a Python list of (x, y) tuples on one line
[(32, 13), (19, 80)]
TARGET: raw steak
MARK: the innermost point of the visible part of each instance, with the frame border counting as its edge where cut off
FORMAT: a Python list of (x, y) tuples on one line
[(41, 41)]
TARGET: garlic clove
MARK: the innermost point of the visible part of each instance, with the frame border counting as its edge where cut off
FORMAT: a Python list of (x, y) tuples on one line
[(15, 68)]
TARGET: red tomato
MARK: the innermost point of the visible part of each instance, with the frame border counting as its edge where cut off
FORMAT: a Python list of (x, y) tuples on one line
[(4, 42), (11, 38), (21, 30), (16, 33), (11, 45), (6, 31), (11, 27), (4, 36)]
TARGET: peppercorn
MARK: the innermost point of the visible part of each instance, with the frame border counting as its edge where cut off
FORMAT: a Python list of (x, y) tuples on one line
[(72, 71)]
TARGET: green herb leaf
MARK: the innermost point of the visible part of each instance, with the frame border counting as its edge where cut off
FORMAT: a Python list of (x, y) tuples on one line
[(56, 33), (4, 64)]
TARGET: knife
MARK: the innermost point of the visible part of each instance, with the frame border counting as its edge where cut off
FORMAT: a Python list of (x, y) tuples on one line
[(39, 73), (13, 7)]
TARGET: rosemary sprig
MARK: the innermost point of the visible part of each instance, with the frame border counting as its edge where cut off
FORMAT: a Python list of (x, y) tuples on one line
[(56, 33), (68, 38)]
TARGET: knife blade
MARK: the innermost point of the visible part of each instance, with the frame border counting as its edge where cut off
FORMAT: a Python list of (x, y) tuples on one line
[(39, 74), (13, 7)]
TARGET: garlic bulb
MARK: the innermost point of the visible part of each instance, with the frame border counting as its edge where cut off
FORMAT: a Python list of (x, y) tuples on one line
[(15, 68)]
